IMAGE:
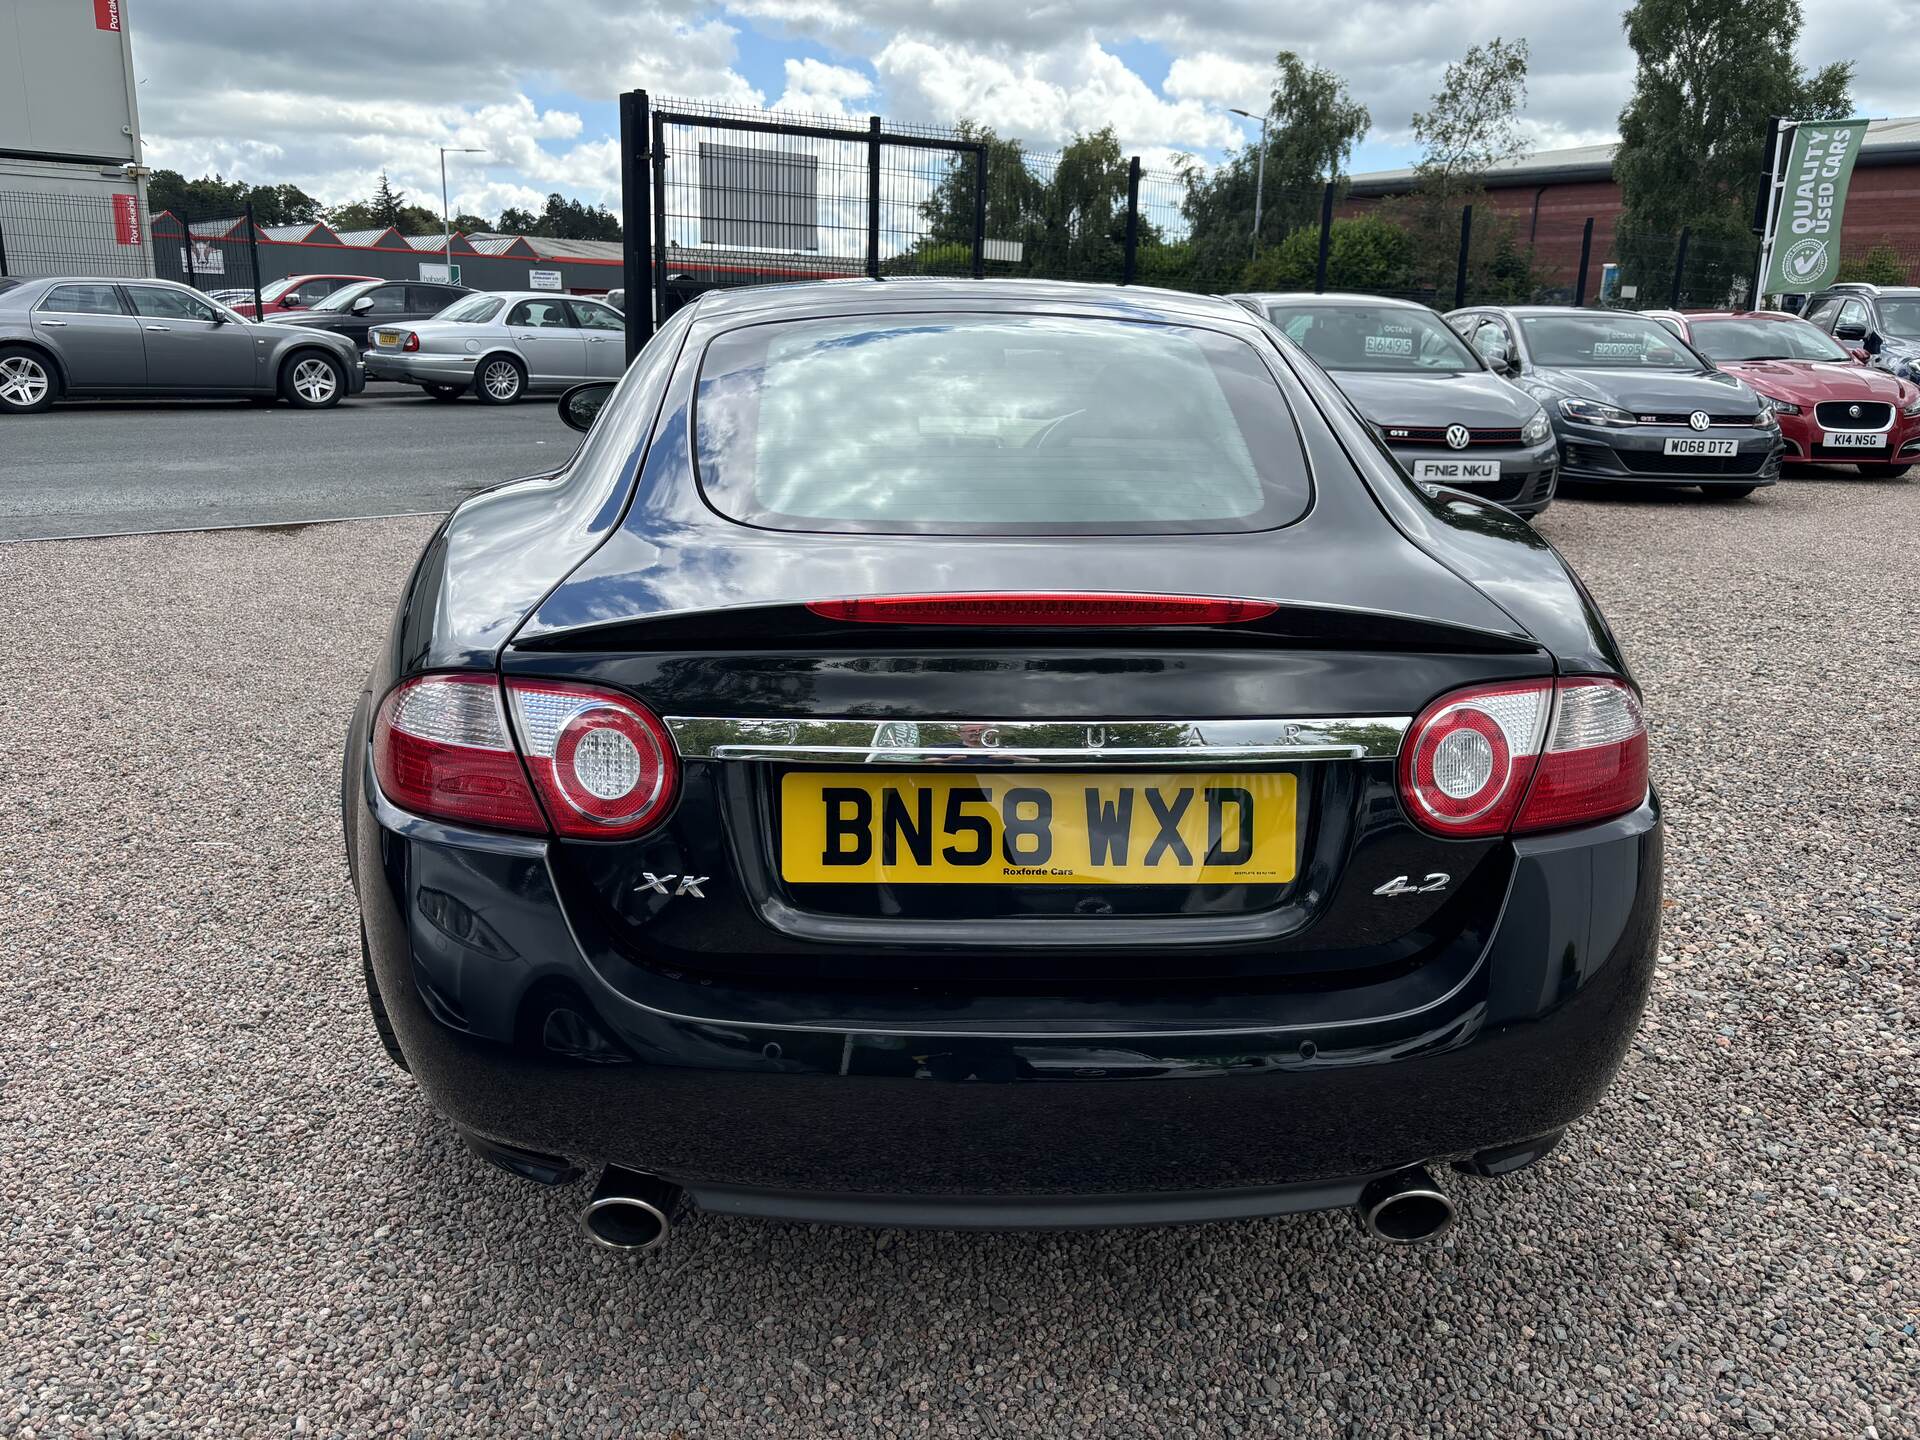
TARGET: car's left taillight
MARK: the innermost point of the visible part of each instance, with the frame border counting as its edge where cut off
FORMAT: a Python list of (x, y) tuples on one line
[(600, 763), (441, 748), (1524, 757)]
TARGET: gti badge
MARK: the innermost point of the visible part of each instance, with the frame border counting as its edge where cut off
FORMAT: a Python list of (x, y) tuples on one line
[(657, 884), (1698, 420), (1457, 437)]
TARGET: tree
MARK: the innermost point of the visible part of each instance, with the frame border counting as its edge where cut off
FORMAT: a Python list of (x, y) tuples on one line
[(1881, 265), (212, 197), (562, 219), (1013, 194), (1367, 253), (386, 203), (467, 224), (1709, 73), (1475, 120), (1313, 123)]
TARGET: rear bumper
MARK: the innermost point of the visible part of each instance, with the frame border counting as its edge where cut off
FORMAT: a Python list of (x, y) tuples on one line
[(419, 369), (514, 1034)]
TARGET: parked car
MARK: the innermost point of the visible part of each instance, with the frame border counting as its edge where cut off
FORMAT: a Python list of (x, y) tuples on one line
[(353, 310), (911, 697), (296, 292), (1449, 419), (1630, 402), (1832, 409), (72, 336), (1879, 324), (503, 345)]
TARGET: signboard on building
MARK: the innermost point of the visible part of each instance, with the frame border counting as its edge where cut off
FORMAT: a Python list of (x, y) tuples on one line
[(106, 15), (439, 273), (1810, 196), (126, 218), (207, 259), (544, 280)]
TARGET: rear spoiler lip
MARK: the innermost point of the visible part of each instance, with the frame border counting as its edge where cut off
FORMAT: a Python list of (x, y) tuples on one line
[(789, 624)]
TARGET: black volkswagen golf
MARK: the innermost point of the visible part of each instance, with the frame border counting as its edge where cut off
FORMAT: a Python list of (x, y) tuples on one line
[(979, 754)]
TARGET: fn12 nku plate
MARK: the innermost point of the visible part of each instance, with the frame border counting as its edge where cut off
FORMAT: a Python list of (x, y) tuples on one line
[(997, 828), (1457, 472)]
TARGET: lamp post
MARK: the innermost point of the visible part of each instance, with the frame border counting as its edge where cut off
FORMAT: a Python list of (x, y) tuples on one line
[(1259, 179), (446, 222)]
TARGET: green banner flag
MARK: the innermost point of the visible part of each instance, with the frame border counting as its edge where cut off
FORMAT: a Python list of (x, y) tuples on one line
[(1803, 254)]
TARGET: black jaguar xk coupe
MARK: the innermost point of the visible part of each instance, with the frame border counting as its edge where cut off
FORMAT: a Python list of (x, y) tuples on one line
[(978, 754)]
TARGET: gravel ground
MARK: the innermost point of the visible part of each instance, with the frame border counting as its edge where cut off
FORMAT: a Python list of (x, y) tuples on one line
[(224, 1213)]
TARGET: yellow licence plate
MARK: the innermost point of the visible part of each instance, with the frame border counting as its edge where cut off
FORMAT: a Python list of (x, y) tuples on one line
[(1013, 828)]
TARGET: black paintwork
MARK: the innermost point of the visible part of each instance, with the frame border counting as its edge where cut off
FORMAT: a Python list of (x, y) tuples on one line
[(780, 1048)]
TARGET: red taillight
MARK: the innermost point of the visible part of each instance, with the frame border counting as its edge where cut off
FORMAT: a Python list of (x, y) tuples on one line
[(412, 342), (1595, 763), (441, 748), (1525, 756), (604, 764), (1046, 608)]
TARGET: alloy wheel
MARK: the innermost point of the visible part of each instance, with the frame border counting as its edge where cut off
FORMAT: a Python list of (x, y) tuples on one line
[(314, 381), (502, 380), (23, 381)]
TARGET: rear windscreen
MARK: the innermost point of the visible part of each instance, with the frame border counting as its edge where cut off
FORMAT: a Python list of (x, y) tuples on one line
[(995, 424)]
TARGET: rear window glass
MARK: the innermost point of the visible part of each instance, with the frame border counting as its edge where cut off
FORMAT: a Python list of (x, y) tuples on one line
[(995, 424)]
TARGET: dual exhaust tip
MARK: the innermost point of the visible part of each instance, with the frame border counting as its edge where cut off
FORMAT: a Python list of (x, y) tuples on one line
[(634, 1211)]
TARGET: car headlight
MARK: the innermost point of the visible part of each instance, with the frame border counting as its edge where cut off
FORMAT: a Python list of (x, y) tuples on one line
[(1767, 419), (1592, 412), (1536, 429), (1778, 407), (1911, 409)]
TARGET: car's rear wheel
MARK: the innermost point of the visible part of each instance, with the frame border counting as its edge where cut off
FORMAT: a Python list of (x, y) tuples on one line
[(1883, 472), (27, 380), (502, 380), (313, 382), (445, 392), (1727, 492)]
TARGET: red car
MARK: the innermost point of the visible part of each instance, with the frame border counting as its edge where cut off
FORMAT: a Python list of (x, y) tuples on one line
[(298, 292), (1833, 409)]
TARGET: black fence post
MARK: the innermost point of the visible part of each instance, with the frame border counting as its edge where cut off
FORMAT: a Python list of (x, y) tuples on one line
[(1326, 240), (980, 212), (1679, 267), (636, 242), (1131, 265), (1586, 254), (1460, 264), (657, 159), (186, 251), (253, 262), (3, 252), (873, 199)]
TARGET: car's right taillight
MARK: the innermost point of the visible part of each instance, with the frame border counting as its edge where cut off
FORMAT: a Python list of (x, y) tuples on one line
[(1525, 756), (1595, 762), (605, 766), (412, 342)]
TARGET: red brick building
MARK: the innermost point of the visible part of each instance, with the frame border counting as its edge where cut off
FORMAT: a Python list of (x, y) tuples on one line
[(1551, 194)]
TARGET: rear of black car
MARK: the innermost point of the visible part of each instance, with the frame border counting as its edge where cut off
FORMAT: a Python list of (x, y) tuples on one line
[(1008, 764)]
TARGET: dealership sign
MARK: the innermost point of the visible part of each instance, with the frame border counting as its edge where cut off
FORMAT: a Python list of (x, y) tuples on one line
[(1803, 250), (106, 14), (544, 280), (126, 219)]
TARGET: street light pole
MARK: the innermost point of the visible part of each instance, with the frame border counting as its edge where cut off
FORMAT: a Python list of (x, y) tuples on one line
[(446, 221), (1259, 179)]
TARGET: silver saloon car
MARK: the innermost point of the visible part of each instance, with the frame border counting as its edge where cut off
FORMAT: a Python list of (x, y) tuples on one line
[(69, 336), (502, 345)]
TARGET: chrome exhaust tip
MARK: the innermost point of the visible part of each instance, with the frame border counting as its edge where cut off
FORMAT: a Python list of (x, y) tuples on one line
[(1405, 1208), (630, 1211)]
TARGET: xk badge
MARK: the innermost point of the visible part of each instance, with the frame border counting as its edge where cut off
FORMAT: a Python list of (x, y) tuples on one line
[(657, 884)]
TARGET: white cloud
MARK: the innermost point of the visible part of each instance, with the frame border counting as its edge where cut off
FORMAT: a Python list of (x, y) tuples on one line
[(816, 88)]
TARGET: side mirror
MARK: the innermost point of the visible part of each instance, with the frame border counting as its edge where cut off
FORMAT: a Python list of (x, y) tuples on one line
[(1849, 332), (581, 405), (362, 305)]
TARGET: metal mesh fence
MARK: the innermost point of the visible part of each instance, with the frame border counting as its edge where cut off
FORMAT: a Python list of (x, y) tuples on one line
[(42, 234)]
